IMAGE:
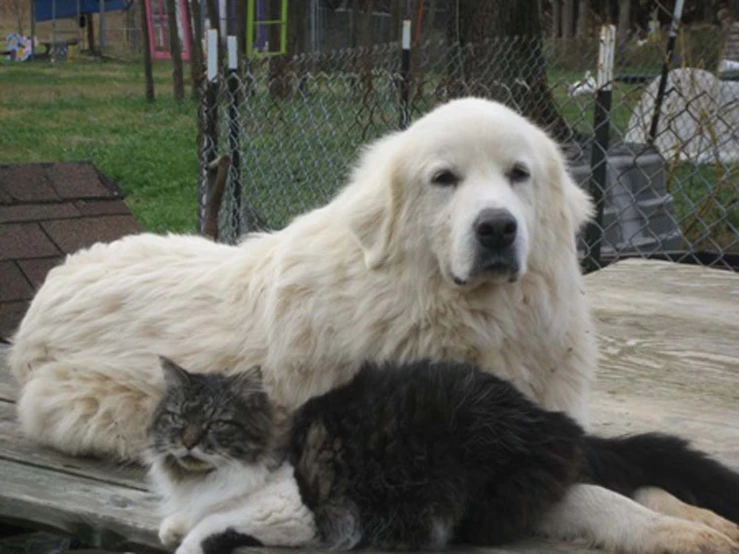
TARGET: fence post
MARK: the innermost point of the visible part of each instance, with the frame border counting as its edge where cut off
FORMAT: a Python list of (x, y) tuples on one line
[(210, 124), (405, 75), (234, 134), (175, 51), (599, 149), (148, 72), (677, 14)]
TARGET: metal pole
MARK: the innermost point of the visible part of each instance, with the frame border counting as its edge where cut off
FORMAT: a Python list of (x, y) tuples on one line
[(599, 149), (209, 122), (222, 17), (234, 134), (677, 15), (313, 24), (405, 75)]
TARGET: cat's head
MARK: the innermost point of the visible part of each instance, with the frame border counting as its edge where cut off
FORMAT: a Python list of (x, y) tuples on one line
[(206, 421)]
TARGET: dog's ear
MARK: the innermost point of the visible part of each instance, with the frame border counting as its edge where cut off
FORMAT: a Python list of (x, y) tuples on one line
[(373, 200), (579, 204)]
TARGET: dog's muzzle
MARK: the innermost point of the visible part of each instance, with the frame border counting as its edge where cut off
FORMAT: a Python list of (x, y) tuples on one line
[(495, 231)]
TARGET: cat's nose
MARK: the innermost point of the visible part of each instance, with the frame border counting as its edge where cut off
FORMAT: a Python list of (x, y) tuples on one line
[(191, 436)]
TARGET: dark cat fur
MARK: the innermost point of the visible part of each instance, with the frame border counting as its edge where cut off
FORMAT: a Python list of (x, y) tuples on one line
[(413, 456), (422, 455)]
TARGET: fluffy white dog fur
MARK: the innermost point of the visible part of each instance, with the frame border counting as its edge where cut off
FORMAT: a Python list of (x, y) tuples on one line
[(389, 269)]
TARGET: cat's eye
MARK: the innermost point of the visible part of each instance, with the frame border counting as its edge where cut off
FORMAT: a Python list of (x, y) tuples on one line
[(518, 173), (168, 418), (445, 178), (223, 424)]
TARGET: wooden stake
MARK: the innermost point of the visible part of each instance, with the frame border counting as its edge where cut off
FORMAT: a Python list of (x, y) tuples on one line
[(147, 52), (176, 51)]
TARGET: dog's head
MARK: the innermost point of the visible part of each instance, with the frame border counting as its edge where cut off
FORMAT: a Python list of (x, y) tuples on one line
[(472, 187)]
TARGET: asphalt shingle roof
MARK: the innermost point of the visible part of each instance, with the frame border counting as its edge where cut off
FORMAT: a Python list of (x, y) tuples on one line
[(49, 210)]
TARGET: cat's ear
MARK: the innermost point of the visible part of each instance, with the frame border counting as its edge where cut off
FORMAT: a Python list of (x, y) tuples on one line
[(254, 373), (174, 375), (248, 381)]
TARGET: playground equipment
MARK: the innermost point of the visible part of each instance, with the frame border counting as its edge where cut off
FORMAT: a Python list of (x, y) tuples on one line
[(255, 25), (257, 41), (82, 10), (158, 29)]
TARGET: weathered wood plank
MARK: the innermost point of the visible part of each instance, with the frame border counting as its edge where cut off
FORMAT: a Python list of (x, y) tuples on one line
[(15, 447), (669, 353), (103, 515), (529, 546)]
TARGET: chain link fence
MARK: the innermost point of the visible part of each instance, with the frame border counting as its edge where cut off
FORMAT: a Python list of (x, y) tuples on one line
[(293, 126)]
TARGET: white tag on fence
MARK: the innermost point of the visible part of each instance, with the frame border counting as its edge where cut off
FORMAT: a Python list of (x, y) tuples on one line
[(212, 54), (232, 53), (407, 34)]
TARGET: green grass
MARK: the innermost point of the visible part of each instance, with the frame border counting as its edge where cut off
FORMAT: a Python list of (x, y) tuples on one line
[(96, 111), (707, 204)]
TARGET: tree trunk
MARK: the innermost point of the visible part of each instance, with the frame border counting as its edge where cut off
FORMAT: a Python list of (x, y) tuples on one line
[(418, 69), (197, 26), (568, 18), (175, 50), (353, 25), (240, 15), (624, 18), (211, 8), (502, 57), (430, 20), (556, 18), (366, 57), (298, 16), (396, 19), (149, 75), (367, 24), (583, 11)]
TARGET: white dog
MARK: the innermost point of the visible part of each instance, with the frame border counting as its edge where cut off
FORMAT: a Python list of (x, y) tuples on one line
[(455, 239)]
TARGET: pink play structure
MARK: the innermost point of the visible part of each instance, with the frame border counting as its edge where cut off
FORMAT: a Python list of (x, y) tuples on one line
[(156, 14)]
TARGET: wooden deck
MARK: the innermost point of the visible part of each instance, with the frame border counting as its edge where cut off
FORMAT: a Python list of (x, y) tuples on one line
[(669, 338)]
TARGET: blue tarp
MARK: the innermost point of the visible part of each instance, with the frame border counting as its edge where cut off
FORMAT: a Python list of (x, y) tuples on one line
[(45, 9)]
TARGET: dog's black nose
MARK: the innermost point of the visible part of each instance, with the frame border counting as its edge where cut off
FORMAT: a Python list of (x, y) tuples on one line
[(495, 228)]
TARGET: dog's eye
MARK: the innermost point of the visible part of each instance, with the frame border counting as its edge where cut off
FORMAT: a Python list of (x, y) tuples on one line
[(518, 173), (445, 178)]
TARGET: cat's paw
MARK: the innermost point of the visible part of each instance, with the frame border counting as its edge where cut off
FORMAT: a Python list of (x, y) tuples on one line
[(172, 530), (190, 546)]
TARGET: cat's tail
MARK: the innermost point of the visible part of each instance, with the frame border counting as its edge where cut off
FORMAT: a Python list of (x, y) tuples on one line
[(625, 464)]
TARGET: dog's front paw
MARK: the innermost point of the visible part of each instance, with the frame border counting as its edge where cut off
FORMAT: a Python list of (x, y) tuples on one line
[(715, 521), (687, 537), (663, 502), (172, 530)]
